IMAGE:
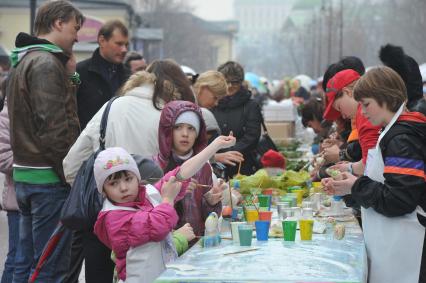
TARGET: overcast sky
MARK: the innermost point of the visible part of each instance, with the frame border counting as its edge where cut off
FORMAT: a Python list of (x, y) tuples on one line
[(213, 10)]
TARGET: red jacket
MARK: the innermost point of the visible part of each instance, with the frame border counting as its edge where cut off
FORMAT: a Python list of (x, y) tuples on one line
[(368, 133), (193, 209)]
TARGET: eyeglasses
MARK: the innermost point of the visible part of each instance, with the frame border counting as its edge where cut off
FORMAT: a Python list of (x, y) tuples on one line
[(231, 83)]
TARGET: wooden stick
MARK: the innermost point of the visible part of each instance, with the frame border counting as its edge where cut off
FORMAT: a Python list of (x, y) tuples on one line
[(230, 196), (239, 168), (204, 186), (243, 251)]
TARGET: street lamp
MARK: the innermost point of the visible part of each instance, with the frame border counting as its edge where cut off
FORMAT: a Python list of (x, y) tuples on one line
[(33, 6)]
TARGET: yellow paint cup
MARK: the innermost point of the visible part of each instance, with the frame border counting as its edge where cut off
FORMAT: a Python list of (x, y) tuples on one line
[(306, 227), (251, 215), (300, 194)]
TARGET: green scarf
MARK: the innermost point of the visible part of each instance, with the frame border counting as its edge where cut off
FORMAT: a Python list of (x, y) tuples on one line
[(19, 53)]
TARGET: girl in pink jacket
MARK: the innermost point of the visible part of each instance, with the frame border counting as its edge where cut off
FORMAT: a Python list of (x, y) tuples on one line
[(136, 220)]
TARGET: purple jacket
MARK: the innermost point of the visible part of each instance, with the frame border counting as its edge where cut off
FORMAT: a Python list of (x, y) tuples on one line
[(6, 161), (194, 208)]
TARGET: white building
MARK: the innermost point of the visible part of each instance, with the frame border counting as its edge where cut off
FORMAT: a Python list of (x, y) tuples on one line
[(260, 20)]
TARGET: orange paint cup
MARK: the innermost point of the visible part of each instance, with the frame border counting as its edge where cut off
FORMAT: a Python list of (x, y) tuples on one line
[(265, 215)]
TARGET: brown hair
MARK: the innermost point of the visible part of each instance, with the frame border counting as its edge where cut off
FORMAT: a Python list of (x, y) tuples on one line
[(214, 81), (118, 175), (349, 86), (312, 110), (108, 28), (383, 85), (233, 72), (52, 11), (171, 83)]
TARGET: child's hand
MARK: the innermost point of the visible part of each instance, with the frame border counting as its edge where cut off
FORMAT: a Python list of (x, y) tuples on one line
[(214, 196), (186, 231), (191, 186), (170, 190), (225, 141)]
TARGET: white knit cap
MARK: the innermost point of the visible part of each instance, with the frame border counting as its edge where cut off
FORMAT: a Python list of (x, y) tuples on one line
[(191, 118), (210, 121), (110, 161)]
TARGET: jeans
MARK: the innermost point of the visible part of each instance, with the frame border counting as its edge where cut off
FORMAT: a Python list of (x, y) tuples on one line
[(40, 207), (9, 265)]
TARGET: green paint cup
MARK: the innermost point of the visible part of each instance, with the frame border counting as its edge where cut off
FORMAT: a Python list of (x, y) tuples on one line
[(264, 201), (289, 229), (245, 233)]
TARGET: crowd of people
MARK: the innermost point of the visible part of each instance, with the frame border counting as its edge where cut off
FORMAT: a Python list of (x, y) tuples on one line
[(193, 131)]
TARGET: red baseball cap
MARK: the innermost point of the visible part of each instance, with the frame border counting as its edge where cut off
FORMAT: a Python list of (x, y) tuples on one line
[(334, 85)]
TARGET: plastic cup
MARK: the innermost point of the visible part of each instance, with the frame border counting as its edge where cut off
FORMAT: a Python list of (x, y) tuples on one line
[(280, 209), (234, 213), (268, 192), (264, 201), (307, 213), (240, 213), (262, 230), (289, 229), (265, 215), (300, 194), (297, 212), (306, 226), (234, 231), (287, 212), (245, 233), (307, 204), (291, 197), (251, 214)]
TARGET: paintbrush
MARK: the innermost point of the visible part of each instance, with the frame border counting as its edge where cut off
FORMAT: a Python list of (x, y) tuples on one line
[(243, 251)]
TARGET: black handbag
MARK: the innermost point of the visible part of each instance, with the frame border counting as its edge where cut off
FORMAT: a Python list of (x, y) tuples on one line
[(84, 202), (265, 143)]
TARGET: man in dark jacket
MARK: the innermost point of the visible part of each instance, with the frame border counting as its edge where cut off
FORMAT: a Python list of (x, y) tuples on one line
[(43, 126), (238, 113), (102, 74)]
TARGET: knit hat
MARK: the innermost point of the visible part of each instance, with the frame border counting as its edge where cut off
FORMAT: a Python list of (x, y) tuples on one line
[(272, 158), (110, 161), (191, 118), (210, 120), (334, 85)]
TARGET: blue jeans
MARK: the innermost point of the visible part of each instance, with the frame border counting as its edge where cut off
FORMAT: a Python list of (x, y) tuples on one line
[(40, 207), (9, 264)]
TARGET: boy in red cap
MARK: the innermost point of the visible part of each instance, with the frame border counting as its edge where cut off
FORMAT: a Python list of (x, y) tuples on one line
[(340, 103), (273, 162)]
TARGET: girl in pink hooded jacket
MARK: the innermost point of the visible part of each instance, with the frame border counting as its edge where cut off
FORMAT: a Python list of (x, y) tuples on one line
[(136, 220), (181, 135)]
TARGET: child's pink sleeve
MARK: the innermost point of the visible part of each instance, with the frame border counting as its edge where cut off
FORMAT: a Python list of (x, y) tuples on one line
[(166, 177)]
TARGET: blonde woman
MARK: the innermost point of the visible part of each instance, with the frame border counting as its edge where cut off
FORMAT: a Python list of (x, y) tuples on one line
[(209, 87)]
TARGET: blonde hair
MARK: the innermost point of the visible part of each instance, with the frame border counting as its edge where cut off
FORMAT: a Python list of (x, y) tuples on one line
[(214, 81), (137, 79)]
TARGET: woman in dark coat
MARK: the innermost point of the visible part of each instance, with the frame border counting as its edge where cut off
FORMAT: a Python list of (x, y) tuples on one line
[(238, 113)]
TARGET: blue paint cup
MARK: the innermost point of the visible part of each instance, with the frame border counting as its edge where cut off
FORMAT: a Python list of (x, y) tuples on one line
[(262, 230)]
